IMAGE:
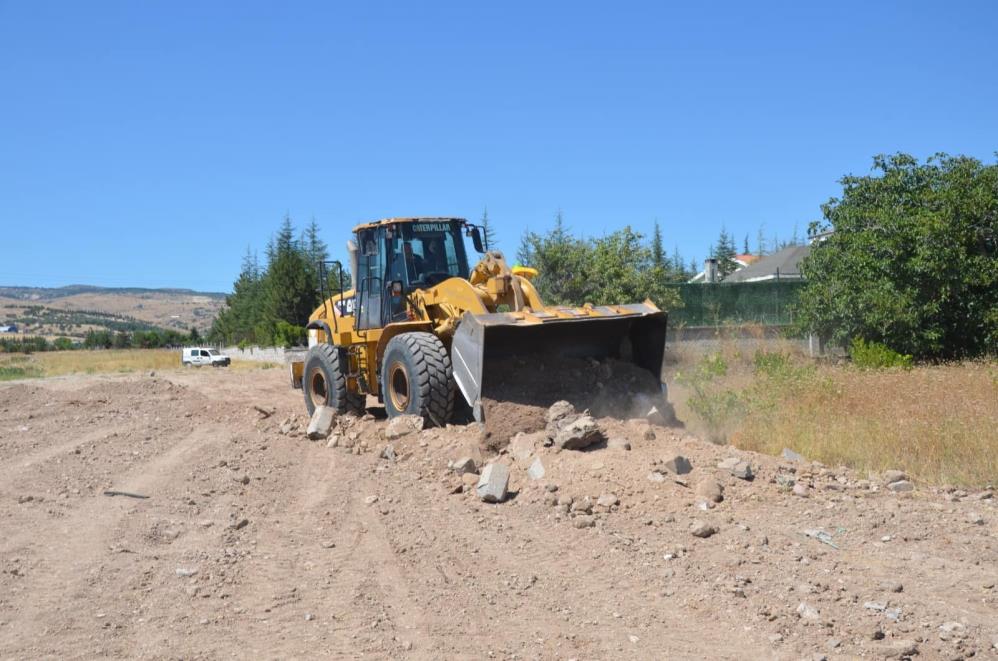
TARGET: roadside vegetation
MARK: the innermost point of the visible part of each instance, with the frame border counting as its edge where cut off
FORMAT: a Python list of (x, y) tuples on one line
[(936, 422), (60, 363), (903, 274), (101, 339)]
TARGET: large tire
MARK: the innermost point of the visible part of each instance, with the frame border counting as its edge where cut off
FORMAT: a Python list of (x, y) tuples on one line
[(324, 381), (417, 379)]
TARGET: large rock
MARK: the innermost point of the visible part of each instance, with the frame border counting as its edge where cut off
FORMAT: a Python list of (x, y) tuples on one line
[(321, 423), (464, 465), (492, 483), (710, 490), (560, 414), (678, 465), (737, 467), (578, 434), (402, 425), (901, 486)]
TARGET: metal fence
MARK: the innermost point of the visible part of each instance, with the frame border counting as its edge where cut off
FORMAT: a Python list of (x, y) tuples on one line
[(769, 303)]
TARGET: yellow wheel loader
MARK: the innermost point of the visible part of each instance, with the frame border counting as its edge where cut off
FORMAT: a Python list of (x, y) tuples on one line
[(419, 329)]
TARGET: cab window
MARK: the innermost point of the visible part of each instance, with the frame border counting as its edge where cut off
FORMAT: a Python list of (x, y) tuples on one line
[(431, 252)]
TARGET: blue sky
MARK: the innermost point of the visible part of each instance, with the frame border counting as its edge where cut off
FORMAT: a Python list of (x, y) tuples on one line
[(149, 143)]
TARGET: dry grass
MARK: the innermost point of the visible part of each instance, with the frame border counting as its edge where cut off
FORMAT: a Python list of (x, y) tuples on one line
[(937, 423), (59, 363)]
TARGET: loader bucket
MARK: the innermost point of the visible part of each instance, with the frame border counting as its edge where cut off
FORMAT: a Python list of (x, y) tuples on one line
[(483, 343)]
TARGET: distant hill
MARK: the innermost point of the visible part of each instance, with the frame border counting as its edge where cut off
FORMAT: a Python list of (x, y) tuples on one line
[(75, 309), (45, 293)]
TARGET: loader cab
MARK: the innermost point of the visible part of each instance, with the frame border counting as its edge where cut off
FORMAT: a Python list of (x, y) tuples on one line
[(396, 257)]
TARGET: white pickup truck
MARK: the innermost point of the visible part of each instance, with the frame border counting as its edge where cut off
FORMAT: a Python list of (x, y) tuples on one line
[(199, 356)]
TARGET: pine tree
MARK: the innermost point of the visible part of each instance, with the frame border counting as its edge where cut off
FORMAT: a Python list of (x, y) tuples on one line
[(244, 307), (290, 291), (725, 253), (745, 248), (760, 241), (316, 253), (657, 251), (678, 267), (491, 240), (315, 248), (525, 252)]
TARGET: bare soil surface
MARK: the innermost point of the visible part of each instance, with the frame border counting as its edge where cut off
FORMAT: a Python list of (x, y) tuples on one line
[(255, 542)]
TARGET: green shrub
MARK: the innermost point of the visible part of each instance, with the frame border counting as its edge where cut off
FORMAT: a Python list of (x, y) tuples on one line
[(717, 407), (11, 372), (288, 335), (874, 355)]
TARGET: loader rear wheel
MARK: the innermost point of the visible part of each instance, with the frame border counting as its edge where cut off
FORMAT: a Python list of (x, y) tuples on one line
[(324, 382), (416, 378)]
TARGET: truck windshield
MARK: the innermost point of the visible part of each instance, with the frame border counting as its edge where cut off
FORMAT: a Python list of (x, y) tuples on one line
[(428, 253)]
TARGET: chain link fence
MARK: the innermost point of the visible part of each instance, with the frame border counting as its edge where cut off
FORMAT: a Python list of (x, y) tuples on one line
[(768, 303)]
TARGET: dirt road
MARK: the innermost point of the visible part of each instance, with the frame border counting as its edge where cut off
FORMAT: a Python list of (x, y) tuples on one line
[(258, 543)]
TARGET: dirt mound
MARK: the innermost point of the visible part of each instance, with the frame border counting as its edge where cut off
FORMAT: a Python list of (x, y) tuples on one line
[(521, 391)]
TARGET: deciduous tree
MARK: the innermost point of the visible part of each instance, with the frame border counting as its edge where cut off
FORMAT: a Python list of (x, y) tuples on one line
[(912, 260)]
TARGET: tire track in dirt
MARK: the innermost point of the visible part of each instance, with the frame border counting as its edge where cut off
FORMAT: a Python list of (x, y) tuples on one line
[(356, 591), (553, 578), (66, 553), (14, 468)]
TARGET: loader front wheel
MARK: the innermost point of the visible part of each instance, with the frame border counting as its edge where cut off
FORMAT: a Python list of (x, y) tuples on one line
[(324, 382), (416, 378)]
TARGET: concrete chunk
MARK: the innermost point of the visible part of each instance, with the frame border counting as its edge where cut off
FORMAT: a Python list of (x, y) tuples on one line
[(492, 483), (464, 465), (321, 423), (402, 425), (578, 434), (536, 470)]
